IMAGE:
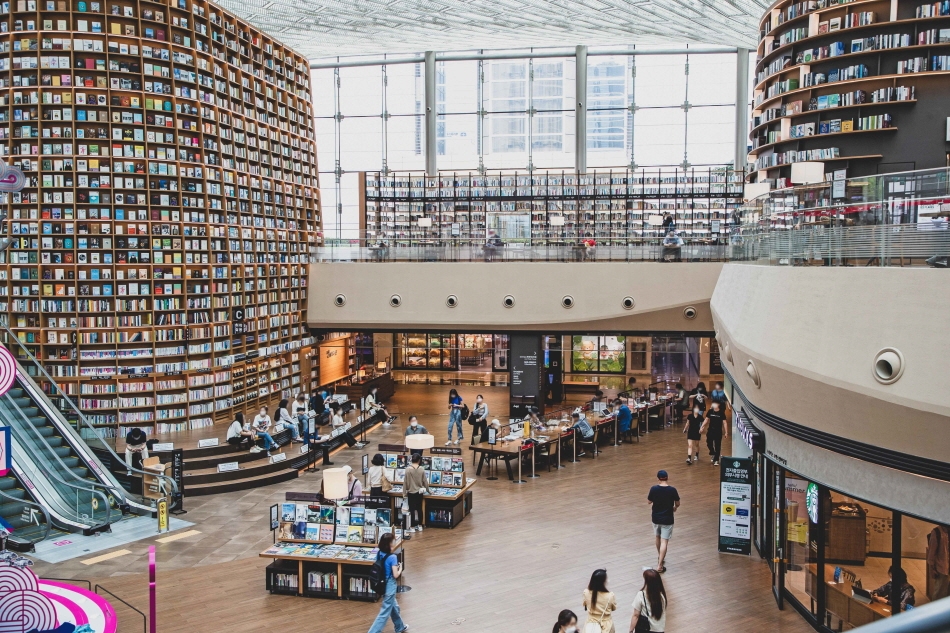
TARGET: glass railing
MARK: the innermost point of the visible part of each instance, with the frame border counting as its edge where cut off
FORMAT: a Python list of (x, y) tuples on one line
[(74, 499), (30, 521), (69, 416)]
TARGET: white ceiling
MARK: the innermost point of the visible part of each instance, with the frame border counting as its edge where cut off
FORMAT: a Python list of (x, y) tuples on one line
[(331, 28)]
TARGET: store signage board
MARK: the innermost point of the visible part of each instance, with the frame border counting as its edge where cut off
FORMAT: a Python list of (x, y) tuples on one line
[(735, 506), (164, 446), (274, 518), (208, 443), (365, 461), (442, 450), (228, 467), (753, 437)]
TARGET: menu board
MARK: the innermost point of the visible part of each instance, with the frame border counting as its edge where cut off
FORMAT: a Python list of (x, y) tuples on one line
[(735, 506)]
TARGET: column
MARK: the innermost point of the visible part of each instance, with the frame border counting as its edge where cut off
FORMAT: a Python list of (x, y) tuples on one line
[(431, 145), (742, 108), (580, 117)]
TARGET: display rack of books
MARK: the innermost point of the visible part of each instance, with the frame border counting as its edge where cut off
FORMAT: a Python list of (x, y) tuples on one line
[(544, 206), (856, 85), (321, 369), (324, 550), (449, 496), (158, 268)]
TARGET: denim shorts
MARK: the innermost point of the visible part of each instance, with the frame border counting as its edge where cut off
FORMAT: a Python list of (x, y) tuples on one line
[(663, 531)]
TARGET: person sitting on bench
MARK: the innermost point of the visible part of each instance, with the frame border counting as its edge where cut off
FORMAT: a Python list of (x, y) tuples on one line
[(373, 407), (337, 422), (240, 433)]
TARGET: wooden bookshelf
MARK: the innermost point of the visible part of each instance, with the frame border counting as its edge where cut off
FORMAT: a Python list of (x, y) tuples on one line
[(822, 61), (608, 204), (159, 262)]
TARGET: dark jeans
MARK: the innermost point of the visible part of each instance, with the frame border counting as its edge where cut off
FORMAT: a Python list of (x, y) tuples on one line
[(715, 445), (480, 431), (415, 509)]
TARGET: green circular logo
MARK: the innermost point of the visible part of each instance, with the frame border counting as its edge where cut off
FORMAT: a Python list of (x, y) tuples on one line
[(811, 502)]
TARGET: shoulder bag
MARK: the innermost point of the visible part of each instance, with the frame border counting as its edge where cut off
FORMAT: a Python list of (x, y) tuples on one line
[(643, 622), (597, 627), (387, 485)]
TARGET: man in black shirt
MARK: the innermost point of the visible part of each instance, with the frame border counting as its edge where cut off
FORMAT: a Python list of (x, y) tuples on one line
[(716, 428), (665, 501)]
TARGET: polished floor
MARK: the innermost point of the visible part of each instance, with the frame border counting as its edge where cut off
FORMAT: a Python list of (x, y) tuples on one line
[(524, 553)]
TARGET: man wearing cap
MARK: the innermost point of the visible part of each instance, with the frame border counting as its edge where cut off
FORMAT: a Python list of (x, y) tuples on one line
[(665, 500)]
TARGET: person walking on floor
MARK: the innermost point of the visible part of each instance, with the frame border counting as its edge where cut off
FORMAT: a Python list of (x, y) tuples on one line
[(389, 608), (716, 428), (665, 501), (415, 486), (650, 603), (455, 415), (599, 602), (694, 433)]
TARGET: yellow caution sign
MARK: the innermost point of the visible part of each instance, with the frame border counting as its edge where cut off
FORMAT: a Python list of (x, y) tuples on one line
[(162, 515)]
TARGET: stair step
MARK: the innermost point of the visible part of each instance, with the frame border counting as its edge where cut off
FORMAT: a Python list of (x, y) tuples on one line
[(251, 469), (247, 483)]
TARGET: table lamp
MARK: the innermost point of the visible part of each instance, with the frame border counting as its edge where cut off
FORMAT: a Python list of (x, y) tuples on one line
[(419, 442), (335, 484)]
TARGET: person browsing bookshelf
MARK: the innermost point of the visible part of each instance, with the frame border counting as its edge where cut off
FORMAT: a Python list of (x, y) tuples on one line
[(650, 602), (377, 476), (354, 487), (414, 486), (415, 428), (665, 501), (599, 602), (136, 450), (262, 423), (389, 607)]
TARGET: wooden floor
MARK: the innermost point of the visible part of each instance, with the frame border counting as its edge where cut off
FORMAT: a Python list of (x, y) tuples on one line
[(525, 552)]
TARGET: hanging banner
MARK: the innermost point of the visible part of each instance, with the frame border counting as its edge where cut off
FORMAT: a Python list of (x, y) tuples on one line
[(735, 506)]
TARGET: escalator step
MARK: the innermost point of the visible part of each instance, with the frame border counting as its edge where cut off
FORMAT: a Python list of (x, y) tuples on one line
[(7, 483), (63, 451)]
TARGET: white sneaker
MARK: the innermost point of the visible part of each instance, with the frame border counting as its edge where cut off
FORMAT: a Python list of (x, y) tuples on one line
[(418, 528), (456, 441), (449, 443)]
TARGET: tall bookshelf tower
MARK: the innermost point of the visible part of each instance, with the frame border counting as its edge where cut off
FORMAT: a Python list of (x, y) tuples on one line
[(159, 263), (860, 85)]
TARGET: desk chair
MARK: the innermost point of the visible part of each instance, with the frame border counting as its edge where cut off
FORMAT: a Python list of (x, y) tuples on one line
[(592, 442)]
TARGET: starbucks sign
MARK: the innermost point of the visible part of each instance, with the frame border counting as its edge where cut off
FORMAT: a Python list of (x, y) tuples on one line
[(811, 502)]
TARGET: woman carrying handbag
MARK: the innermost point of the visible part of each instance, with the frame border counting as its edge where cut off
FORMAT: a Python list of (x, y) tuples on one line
[(599, 604), (649, 607)]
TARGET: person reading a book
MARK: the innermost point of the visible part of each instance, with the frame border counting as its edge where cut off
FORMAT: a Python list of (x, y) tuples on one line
[(373, 407), (262, 423), (338, 423), (907, 591), (239, 433)]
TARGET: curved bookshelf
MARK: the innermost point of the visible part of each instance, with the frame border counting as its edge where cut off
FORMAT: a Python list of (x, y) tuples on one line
[(840, 69), (158, 266)]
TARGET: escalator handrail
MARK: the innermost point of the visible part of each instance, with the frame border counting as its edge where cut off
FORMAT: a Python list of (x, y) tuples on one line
[(45, 512), (172, 485), (105, 500)]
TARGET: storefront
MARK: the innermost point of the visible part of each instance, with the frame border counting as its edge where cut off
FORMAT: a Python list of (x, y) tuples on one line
[(451, 352), (832, 554)]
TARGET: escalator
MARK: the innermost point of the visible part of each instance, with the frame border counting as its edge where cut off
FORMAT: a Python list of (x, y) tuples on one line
[(27, 520)]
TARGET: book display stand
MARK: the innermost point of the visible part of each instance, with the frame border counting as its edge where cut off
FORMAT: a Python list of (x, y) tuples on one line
[(158, 264), (449, 498), (324, 550)]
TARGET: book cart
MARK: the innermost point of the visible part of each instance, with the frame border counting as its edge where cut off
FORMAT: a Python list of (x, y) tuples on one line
[(450, 491), (322, 550)]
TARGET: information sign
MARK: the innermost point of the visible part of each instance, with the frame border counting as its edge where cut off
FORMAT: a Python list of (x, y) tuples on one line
[(735, 506)]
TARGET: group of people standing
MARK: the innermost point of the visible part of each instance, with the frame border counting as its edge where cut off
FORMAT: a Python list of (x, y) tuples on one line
[(649, 607)]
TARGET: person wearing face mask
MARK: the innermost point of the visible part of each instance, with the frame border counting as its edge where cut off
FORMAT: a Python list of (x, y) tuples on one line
[(373, 407), (694, 422), (716, 428), (415, 428), (479, 418), (566, 622)]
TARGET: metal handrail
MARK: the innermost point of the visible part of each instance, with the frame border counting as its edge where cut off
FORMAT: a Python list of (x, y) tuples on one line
[(32, 503), (81, 416), (144, 618), (105, 502)]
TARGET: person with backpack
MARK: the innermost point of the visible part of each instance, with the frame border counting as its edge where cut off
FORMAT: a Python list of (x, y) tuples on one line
[(457, 411), (383, 575), (649, 607)]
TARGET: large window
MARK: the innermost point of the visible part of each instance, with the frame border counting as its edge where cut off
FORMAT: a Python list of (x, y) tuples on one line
[(645, 110), (599, 354)]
